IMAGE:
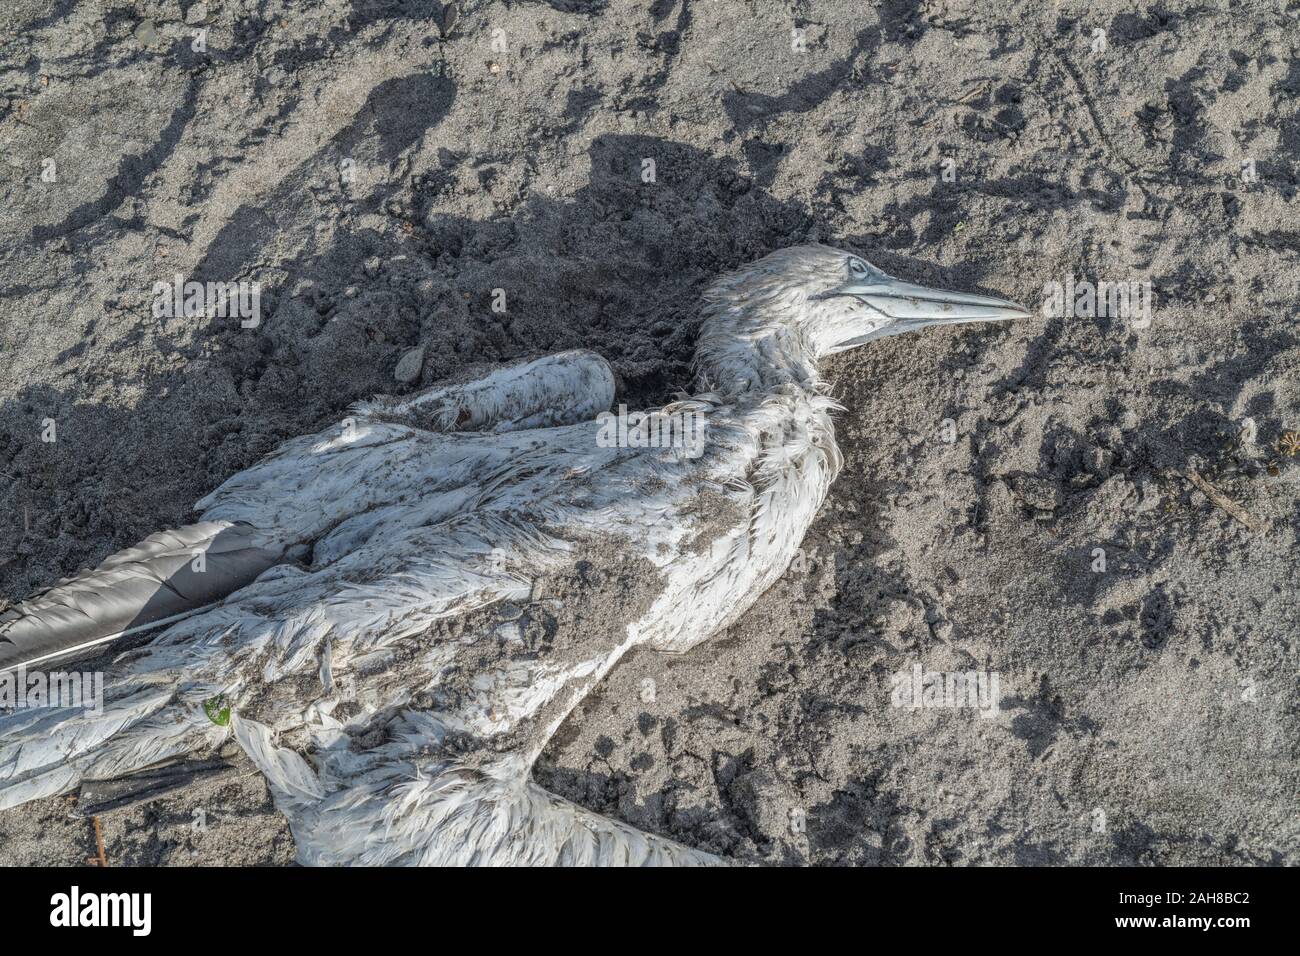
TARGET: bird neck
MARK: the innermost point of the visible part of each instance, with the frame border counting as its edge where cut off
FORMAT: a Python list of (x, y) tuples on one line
[(753, 345)]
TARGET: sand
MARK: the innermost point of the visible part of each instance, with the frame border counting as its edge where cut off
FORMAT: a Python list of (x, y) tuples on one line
[(380, 168)]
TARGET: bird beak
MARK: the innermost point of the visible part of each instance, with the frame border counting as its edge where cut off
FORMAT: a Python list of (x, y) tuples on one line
[(909, 307)]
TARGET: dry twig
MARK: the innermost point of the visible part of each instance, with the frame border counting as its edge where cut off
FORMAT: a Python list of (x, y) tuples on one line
[(1222, 501)]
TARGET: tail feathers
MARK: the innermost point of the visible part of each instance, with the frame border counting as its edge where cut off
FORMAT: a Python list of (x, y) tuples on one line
[(417, 814), (405, 804), (50, 751)]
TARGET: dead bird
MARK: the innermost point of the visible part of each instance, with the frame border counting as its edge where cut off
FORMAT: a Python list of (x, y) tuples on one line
[(393, 616)]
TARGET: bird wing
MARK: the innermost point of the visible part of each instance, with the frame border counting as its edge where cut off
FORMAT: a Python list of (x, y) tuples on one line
[(560, 389), (344, 484)]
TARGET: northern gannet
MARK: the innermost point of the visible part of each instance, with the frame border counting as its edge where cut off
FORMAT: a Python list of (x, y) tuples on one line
[(392, 616)]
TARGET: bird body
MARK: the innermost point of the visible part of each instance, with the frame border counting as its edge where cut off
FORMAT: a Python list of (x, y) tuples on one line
[(460, 569)]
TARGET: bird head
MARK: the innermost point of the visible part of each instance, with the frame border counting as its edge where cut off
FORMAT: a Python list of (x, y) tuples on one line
[(856, 302), (840, 301), (810, 301)]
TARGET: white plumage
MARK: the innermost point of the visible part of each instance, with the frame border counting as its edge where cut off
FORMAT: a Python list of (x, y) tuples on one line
[(458, 570)]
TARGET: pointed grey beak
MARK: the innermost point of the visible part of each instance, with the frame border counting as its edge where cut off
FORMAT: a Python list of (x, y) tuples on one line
[(916, 306)]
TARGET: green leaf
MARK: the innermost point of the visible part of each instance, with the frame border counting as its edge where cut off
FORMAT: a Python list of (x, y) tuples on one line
[(218, 710)]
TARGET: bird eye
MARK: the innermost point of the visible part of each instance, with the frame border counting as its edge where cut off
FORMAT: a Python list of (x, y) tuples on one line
[(858, 268)]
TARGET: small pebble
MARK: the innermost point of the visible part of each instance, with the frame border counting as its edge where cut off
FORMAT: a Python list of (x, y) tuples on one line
[(146, 34), (409, 366)]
